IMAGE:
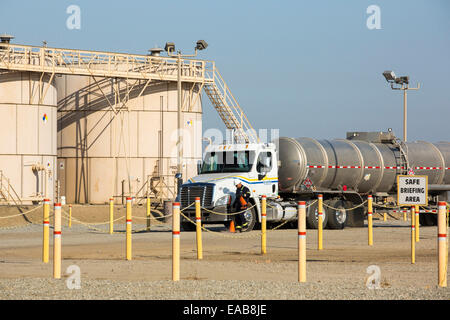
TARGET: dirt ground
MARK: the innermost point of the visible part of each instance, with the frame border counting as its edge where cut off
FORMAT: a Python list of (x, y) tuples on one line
[(226, 256)]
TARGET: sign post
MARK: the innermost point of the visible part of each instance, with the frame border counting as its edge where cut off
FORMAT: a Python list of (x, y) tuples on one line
[(412, 191)]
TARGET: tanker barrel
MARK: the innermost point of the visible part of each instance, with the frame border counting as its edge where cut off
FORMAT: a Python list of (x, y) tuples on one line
[(365, 162)]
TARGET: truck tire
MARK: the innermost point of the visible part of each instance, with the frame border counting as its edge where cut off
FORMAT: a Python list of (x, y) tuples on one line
[(312, 216), (187, 226), (251, 218), (428, 219), (337, 218)]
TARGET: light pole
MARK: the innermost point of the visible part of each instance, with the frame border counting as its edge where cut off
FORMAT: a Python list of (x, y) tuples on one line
[(404, 83), (170, 48)]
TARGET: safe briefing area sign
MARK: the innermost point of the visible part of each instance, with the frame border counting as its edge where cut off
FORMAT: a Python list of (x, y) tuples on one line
[(412, 190)]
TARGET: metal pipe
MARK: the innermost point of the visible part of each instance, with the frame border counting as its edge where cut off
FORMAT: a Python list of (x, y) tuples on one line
[(180, 105), (439, 187), (404, 113)]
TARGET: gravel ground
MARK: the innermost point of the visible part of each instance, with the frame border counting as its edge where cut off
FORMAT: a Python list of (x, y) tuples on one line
[(31, 288), (232, 268)]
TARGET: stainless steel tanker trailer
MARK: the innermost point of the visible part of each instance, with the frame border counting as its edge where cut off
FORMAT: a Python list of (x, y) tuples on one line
[(344, 171)]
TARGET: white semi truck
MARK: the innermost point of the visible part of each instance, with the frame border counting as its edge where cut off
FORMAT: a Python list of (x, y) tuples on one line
[(344, 171)]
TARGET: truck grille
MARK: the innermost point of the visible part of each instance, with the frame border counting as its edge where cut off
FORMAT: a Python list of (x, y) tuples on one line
[(190, 192)]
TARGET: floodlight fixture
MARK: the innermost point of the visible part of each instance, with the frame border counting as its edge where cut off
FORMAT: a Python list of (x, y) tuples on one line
[(201, 45), (170, 47), (389, 75), (403, 81)]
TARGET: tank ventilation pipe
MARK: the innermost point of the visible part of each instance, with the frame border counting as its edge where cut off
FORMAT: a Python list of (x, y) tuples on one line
[(5, 39), (155, 52)]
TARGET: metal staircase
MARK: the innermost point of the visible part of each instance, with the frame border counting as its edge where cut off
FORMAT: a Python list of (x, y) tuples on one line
[(8, 194), (229, 110)]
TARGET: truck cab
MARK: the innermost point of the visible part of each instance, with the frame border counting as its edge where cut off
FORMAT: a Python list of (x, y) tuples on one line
[(255, 165)]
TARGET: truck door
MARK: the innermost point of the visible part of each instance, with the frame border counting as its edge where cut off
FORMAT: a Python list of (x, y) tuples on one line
[(267, 180)]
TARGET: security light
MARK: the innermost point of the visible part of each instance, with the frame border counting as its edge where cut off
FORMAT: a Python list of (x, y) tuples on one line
[(402, 80), (201, 45), (170, 47), (389, 75)]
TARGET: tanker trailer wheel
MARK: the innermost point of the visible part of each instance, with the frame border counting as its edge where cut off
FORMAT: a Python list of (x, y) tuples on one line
[(312, 216), (428, 219), (187, 226), (337, 218)]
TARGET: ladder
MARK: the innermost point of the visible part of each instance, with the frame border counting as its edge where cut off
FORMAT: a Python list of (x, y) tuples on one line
[(401, 158), (229, 110)]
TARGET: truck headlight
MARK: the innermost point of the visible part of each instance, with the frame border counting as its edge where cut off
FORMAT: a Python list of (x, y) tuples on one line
[(223, 201)]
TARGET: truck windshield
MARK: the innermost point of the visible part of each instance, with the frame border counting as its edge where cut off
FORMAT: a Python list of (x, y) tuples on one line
[(228, 161)]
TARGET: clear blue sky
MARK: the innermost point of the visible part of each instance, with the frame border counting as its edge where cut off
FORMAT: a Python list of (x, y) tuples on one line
[(308, 68)]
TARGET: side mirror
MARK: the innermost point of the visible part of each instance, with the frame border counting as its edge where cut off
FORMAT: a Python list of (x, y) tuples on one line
[(179, 178), (262, 172)]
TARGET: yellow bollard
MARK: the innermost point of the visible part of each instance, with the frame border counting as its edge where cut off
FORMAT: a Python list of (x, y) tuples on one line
[(46, 228), (128, 230), (263, 224), (442, 245), (198, 222), (148, 213), (176, 241), (301, 208), (404, 215), (70, 216), (417, 223), (413, 236), (111, 215), (319, 224), (369, 219), (57, 242), (384, 216)]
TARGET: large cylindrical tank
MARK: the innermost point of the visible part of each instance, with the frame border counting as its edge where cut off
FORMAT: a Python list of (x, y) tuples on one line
[(110, 148), (28, 109), (359, 165)]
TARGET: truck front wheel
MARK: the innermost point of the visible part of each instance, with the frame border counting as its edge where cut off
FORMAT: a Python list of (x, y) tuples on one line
[(251, 218), (337, 214)]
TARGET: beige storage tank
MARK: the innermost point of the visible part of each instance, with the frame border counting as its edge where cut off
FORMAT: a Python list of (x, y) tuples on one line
[(28, 109), (107, 148)]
